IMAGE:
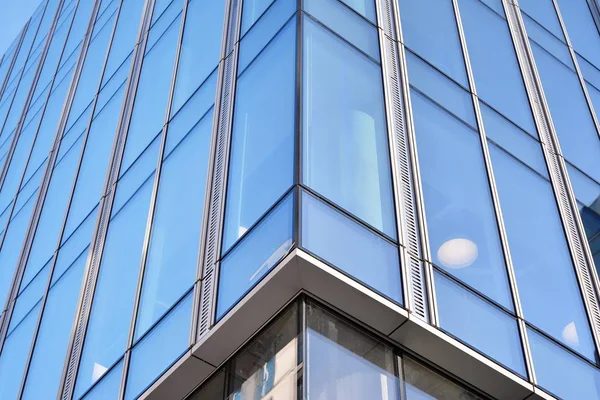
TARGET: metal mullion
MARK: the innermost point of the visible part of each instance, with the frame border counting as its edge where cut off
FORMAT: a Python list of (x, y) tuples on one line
[(87, 292), (298, 124), (551, 150), (415, 169), (69, 203), (194, 331), (152, 206), (495, 195), (13, 60)]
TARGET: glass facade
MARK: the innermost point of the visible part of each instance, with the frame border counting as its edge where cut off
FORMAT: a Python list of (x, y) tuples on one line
[(160, 158)]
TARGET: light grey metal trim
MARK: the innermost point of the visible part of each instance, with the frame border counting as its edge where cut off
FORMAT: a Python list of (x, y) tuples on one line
[(419, 205), (413, 274), (83, 312), (54, 259), (222, 132), (512, 280), (152, 207), (196, 308), (45, 183), (557, 169)]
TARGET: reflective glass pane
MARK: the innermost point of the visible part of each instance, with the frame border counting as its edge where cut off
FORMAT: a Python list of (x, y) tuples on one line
[(344, 139), (108, 387), (261, 164), (582, 28)]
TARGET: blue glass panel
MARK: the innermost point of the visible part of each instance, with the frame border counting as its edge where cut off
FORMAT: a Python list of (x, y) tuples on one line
[(543, 12), (160, 348), (14, 356), (29, 296), (479, 324), (581, 28), (366, 8), (79, 26), (109, 386), (94, 164), (115, 290), (548, 41), (52, 341), (125, 35), (430, 30), (346, 23), (562, 373), (350, 247), (152, 95), (167, 18), (497, 74), (252, 10), (262, 145), (514, 140), (570, 113), (255, 255), (260, 35), (460, 216), (173, 250), (345, 143), (586, 189), (201, 47), (548, 288), (440, 89)]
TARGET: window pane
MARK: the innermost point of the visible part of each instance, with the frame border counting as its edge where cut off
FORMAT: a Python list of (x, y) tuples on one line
[(173, 252), (201, 47), (159, 349), (345, 149), (543, 12), (479, 324), (108, 387), (545, 274), (351, 247), (581, 28), (344, 363), (562, 373), (429, 28), (262, 145), (252, 11), (256, 255), (462, 225)]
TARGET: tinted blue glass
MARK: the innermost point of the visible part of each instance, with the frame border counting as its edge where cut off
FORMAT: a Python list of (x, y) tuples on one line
[(52, 341), (115, 290), (586, 189), (441, 89), (345, 145), (201, 47), (545, 275), (562, 373), (108, 387), (252, 10), (462, 226), (543, 12), (14, 356), (76, 244), (479, 324), (548, 41), (514, 140), (346, 23), (497, 74), (29, 297), (125, 35), (255, 255), (173, 250), (94, 163), (351, 247), (570, 113), (79, 26), (160, 348), (581, 28), (152, 95), (262, 148), (429, 29), (260, 35)]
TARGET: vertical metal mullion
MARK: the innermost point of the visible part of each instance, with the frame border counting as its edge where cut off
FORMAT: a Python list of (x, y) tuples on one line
[(13, 60), (559, 180), (423, 234), (79, 329), (152, 207), (495, 195), (298, 129), (54, 259)]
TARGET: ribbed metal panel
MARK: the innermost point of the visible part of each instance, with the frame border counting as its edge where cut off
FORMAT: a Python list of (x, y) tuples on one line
[(556, 166), (219, 173)]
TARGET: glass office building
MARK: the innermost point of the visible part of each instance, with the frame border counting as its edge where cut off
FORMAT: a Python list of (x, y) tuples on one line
[(301, 199)]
